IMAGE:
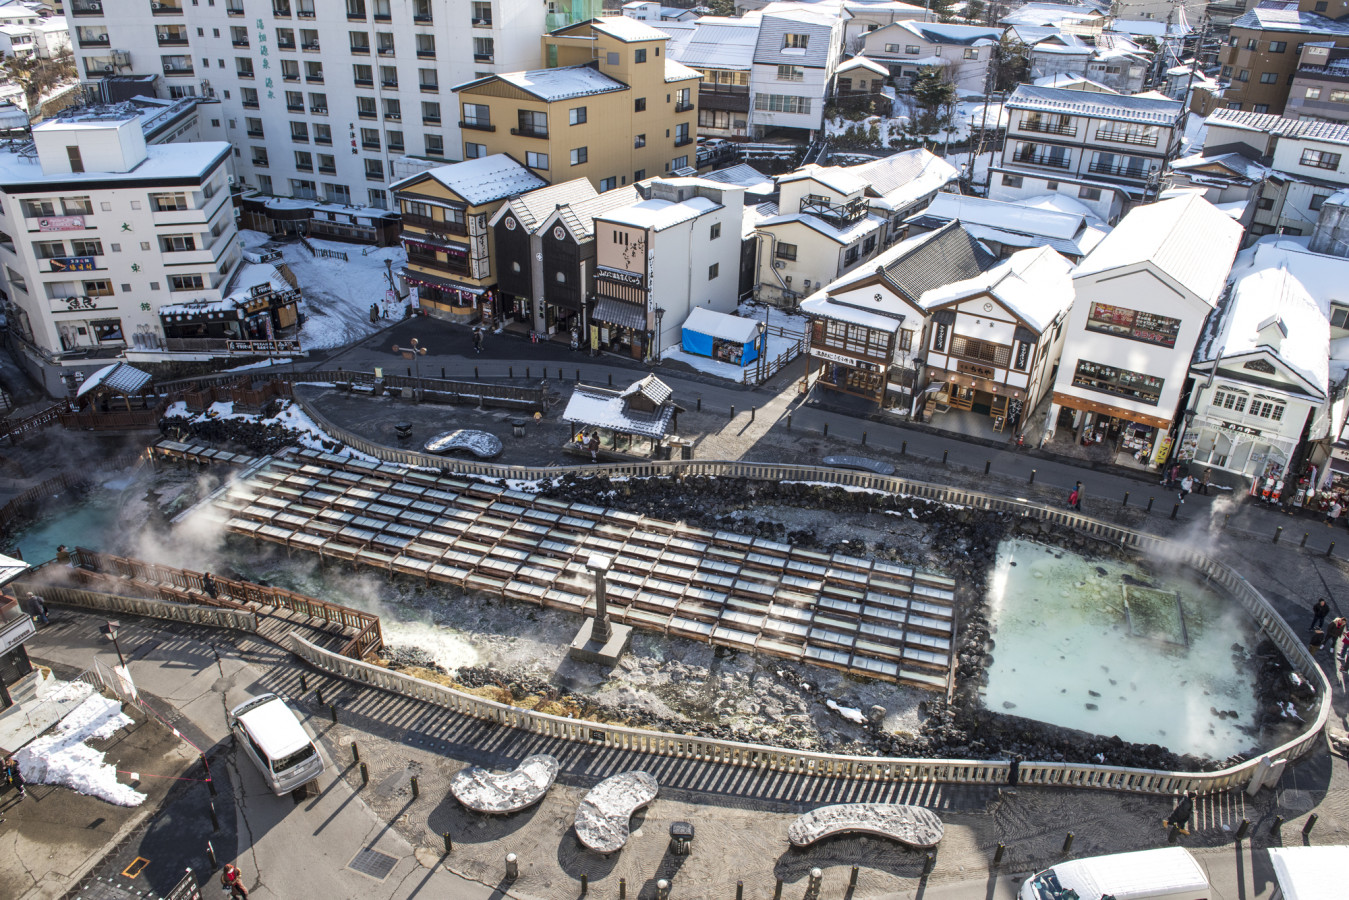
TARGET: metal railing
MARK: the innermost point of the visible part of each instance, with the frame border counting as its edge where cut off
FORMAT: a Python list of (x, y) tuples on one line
[(1068, 130), (1042, 159), (1084, 775), (1126, 137)]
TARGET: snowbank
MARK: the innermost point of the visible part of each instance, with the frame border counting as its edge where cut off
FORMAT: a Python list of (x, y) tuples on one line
[(63, 758)]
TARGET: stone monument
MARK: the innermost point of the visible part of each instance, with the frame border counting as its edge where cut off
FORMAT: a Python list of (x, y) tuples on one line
[(599, 640)]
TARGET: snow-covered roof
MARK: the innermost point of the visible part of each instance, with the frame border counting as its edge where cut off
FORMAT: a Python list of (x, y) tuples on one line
[(948, 34), (1188, 238), (1066, 80), (626, 29), (533, 207), (817, 25), (186, 162), (650, 387), (11, 568), (901, 179), (121, 377), (1309, 873), (1153, 28), (852, 231), (1057, 202), (481, 180), (1118, 107), (838, 178), (601, 408), (1265, 123), (1272, 310), (917, 265), (713, 42), (721, 325), (1049, 14), (660, 214), (562, 83), (1034, 285), (579, 217), (745, 176), (820, 304), (677, 71), (861, 62), (1285, 18), (1237, 164), (1013, 224)]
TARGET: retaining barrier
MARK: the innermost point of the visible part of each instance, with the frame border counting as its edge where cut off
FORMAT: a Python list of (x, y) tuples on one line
[(239, 620)]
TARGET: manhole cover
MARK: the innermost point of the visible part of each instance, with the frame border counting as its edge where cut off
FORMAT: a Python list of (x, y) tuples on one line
[(373, 863)]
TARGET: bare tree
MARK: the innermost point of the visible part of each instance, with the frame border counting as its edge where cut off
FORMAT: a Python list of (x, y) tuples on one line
[(38, 76)]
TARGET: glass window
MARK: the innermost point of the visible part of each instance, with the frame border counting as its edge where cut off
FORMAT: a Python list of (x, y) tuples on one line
[(579, 156), (576, 115), (536, 160), (785, 251), (1320, 159), (1123, 383)]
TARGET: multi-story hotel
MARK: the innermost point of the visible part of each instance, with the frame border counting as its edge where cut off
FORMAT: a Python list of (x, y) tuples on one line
[(319, 97)]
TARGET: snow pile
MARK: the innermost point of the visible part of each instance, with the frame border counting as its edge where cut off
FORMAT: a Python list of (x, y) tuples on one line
[(847, 712), (63, 758)]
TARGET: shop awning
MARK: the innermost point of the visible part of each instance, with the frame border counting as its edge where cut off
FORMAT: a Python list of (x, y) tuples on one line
[(421, 279), (616, 312), (722, 326)]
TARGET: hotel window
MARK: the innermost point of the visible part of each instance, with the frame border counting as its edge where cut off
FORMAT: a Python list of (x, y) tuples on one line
[(304, 161), (639, 55), (1339, 96), (435, 145), (796, 41), (608, 184), (980, 351), (579, 155), (426, 46), (323, 134), (537, 160), (1278, 46), (474, 151), (1266, 410), (299, 131), (186, 283), (791, 73), (1269, 77), (374, 169), (639, 141), (1339, 316), (713, 271), (177, 243)]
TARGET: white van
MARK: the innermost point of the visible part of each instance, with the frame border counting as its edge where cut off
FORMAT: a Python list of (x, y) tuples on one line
[(1309, 873), (1170, 873), (272, 735)]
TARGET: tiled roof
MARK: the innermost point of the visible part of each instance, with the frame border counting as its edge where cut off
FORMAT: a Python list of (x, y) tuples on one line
[(713, 42), (935, 259), (120, 377), (1264, 18), (1149, 110), (579, 218), (533, 207), (601, 408), (482, 180), (1330, 132), (562, 83)]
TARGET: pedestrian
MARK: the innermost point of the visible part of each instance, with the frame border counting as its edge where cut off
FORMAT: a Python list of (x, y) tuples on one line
[(1333, 513), (594, 446), (14, 776), (1204, 483), (1186, 485), (1316, 641), (233, 880), (1333, 634), (1075, 498), (477, 340), (1180, 816), (37, 608), (208, 585), (1319, 612)]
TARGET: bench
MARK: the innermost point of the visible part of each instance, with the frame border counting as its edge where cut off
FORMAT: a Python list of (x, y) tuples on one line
[(482, 791), (915, 826), (860, 462), (604, 816)]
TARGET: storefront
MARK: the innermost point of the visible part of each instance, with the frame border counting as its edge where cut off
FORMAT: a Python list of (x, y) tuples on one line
[(1131, 438), (972, 387), (849, 375), (448, 299), (260, 314), (16, 627), (725, 338), (617, 326)]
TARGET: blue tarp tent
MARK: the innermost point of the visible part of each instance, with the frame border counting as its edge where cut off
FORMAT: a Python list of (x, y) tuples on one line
[(722, 337)]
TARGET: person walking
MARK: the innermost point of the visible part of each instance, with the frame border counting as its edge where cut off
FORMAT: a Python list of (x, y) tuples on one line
[(1075, 498), (1319, 613), (1186, 485), (1204, 482), (37, 608), (233, 880), (594, 446), (208, 585), (1333, 513), (1334, 633), (477, 340), (14, 776), (1180, 816)]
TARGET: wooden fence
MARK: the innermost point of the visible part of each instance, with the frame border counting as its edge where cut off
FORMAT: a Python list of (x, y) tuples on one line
[(119, 575), (18, 429), (482, 393), (26, 503), (321, 252)]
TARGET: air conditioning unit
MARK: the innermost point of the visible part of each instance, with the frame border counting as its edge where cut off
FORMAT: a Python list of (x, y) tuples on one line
[(320, 112), (107, 68), (779, 264), (103, 38)]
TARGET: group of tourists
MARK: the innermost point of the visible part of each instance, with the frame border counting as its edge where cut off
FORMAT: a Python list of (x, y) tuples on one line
[(1336, 634)]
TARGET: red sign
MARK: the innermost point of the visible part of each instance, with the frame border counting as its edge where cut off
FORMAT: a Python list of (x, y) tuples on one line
[(61, 223)]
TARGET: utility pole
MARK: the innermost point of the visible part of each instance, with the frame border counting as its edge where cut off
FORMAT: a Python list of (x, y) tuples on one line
[(989, 76)]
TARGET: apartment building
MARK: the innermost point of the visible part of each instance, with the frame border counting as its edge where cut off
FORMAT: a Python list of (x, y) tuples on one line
[(319, 97), (611, 106), (675, 249), (450, 245), (721, 50), (1143, 297), (1308, 161), (798, 50), (1264, 45), (1107, 150), (102, 228), (962, 51), (1320, 90)]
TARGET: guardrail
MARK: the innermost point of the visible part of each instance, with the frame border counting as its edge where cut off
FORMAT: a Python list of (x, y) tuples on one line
[(17, 429), (238, 619), (485, 393)]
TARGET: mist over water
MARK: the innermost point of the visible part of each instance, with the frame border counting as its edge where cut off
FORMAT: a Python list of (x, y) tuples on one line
[(1067, 652)]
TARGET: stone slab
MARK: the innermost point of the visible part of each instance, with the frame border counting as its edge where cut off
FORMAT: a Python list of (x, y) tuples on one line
[(483, 791), (916, 826), (859, 462), (585, 649), (602, 819)]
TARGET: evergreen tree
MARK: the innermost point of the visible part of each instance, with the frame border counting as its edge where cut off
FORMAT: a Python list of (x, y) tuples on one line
[(935, 94), (1011, 64)]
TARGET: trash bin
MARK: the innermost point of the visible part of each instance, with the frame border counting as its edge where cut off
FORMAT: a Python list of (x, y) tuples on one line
[(518, 427), (681, 838), (403, 430)]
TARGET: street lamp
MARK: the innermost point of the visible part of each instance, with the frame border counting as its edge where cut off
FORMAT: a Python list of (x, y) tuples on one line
[(110, 630), (414, 353)]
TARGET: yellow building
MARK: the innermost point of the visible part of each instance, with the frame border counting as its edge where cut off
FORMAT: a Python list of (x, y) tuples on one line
[(610, 106), (449, 243)]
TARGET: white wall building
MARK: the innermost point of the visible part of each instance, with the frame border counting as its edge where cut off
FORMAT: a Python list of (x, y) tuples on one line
[(1263, 374), (351, 84), (962, 51), (99, 229), (1142, 298), (798, 49), (656, 260)]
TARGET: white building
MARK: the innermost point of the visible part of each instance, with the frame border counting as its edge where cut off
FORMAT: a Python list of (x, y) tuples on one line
[(359, 83), (1006, 228), (675, 249), (102, 227), (1262, 376), (963, 51), (651, 12), (798, 48), (994, 338), (1142, 298)]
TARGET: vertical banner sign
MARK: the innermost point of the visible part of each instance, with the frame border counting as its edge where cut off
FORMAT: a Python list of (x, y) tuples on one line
[(1022, 355), (939, 341)]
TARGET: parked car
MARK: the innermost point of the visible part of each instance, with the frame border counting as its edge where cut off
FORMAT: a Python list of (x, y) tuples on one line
[(272, 736)]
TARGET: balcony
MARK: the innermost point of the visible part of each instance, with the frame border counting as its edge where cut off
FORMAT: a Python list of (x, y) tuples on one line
[(165, 8), (1043, 159), (427, 261), (240, 42), (167, 39), (299, 138), (370, 145), (421, 19), (431, 54), (366, 114), (476, 125), (430, 120), (479, 57), (363, 82), (434, 226), (1126, 137), (281, 9), (309, 79), (304, 167), (295, 107), (1067, 129), (86, 8), (235, 9), (250, 104), (96, 41), (311, 47), (683, 107), (839, 214), (327, 170), (389, 85), (325, 140), (383, 17), (177, 69), (531, 132), (361, 50), (285, 45), (1119, 170), (255, 134), (395, 148), (318, 110), (429, 88), (244, 73), (482, 23)]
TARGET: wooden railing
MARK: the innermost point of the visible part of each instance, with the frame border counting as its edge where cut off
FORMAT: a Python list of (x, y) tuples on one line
[(113, 420), (17, 429), (483, 393), (24, 504), (120, 574), (102, 601)]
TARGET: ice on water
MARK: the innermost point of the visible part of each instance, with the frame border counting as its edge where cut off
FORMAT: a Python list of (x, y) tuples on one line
[(1068, 653)]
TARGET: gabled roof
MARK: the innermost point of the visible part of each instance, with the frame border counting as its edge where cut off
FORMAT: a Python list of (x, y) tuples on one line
[(1118, 107), (903, 178), (1035, 285), (770, 48), (1187, 238), (845, 235), (745, 176), (941, 33), (713, 42), (837, 178), (650, 387), (579, 217), (1275, 18), (603, 408), (1013, 224), (1330, 132), (123, 378), (861, 62), (660, 214), (623, 28), (532, 207), (480, 180), (677, 71), (549, 85)]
